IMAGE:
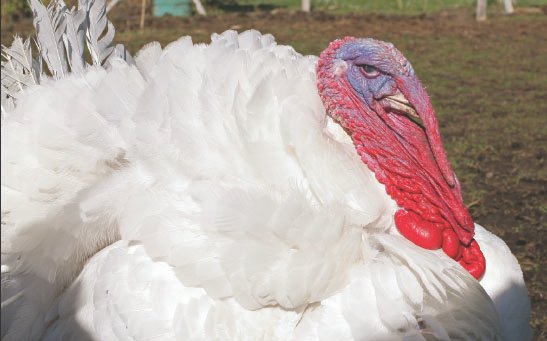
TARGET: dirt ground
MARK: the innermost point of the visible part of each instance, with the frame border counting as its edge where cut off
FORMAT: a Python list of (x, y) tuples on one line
[(487, 81)]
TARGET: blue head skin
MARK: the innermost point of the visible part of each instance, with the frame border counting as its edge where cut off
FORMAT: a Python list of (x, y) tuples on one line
[(380, 75), (373, 67)]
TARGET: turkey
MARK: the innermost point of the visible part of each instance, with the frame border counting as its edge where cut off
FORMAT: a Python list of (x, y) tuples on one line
[(235, 191)]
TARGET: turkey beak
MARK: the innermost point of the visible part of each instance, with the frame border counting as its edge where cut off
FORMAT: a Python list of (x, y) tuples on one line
[(416, 104), (399, 103)]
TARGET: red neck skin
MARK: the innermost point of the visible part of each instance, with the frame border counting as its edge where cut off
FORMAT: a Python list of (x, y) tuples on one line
[(408, 160)]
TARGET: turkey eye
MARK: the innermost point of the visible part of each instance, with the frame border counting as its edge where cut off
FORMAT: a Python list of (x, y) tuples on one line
[(370, 70)]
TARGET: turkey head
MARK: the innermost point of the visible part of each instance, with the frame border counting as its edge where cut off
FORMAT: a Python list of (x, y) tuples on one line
[(371, 90)]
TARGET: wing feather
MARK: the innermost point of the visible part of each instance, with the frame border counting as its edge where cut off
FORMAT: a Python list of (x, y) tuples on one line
[(50, 24)]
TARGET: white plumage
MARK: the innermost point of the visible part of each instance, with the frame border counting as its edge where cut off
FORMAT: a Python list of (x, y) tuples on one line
[(203, 193)]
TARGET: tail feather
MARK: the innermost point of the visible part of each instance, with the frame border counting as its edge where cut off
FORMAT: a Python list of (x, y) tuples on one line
[(62, 36)]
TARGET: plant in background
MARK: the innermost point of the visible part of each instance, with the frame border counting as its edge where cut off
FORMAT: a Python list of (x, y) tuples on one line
[(15, 9)]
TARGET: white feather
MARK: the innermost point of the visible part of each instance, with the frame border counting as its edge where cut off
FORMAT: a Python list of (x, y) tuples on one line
[(50, 24), (19, 69), (74, 38), (99, 33)]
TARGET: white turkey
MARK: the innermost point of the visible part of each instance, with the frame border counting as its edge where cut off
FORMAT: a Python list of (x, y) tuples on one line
[(235, 191)]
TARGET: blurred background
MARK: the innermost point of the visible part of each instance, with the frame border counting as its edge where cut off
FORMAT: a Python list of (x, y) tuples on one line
[(487, 79)]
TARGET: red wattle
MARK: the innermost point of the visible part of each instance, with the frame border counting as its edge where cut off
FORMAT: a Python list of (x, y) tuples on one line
[(432, 237), (418, 231), (451, 244), (473, 260)]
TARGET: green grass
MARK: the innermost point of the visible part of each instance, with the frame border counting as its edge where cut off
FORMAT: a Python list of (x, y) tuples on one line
[(407, 7)]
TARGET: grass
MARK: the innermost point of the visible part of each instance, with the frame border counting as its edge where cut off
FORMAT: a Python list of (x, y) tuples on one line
[(407, 7)]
